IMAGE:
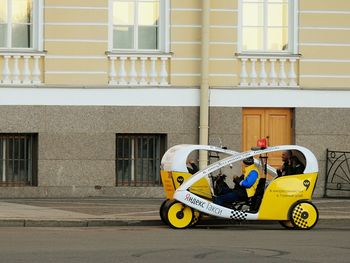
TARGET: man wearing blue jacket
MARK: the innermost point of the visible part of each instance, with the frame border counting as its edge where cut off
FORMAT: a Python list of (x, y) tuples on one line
[(245, 185)]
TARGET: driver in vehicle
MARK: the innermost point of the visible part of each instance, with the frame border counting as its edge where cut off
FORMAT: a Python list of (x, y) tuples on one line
[(245, 185)]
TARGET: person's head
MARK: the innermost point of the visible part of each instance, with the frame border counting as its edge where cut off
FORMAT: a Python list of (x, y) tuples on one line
[(248, 161), (286, 155)]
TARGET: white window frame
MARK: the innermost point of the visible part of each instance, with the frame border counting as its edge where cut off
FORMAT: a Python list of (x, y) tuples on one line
[(292, 30), (37, 28), (163, 37)]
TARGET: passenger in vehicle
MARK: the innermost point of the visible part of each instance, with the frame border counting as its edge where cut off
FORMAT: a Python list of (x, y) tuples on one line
[(191, 167), (291, 165)]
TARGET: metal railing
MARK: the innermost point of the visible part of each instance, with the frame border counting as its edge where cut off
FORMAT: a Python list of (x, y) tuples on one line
[(138, 159), (337, 171), (18, 159)]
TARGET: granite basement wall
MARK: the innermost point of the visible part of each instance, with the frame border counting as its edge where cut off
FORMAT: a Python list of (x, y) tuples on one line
[(76, 149), (77, 143), (319, 129)]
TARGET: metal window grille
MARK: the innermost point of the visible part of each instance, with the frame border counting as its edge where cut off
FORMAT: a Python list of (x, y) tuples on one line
[(138, 159), (18, 159)]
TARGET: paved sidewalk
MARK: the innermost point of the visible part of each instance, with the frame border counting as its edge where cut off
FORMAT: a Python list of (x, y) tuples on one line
[(115, 212)]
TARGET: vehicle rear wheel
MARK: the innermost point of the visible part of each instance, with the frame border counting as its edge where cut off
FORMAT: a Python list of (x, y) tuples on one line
[(162, 213), (179, 215), (303, 215), (196, 218)]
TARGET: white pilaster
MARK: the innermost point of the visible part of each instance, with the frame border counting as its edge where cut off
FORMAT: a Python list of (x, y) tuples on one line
[(262, 75), (143, 73), (163, 72), (26, 70), (36, 70), (282, 73), (112, 72), (153, 73), (244, 74), (16, 72), (6, 70), (291, 75), (122, 72), (273, 75), (253, 75), (133, 73)]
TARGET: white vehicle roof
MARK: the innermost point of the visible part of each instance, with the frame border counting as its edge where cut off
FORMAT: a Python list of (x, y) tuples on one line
[(175, 158)]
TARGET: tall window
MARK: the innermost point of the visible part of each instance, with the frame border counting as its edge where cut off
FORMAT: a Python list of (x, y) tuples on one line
[(17, 23), (138, 24), (138, 159), (267, 25), (18, 157)]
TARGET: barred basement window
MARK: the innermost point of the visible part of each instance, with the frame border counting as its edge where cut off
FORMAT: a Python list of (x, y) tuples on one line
[(18, 159), (138, 159)]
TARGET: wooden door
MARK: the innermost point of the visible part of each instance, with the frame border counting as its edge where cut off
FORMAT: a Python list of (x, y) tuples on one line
[(275, 124)]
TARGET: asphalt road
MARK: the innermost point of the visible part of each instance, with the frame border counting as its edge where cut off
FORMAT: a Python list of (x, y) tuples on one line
[(327, 242)]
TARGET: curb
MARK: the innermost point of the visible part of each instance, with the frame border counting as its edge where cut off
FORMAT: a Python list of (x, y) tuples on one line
[(153, 222)]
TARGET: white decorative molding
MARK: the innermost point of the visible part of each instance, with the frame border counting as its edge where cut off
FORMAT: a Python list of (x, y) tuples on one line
[(136, 70), (154, 96), (266, 65), (20, 68)]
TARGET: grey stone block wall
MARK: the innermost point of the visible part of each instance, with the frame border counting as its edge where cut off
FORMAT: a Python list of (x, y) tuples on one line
[(319, 129), (226, 125), (76, 144)]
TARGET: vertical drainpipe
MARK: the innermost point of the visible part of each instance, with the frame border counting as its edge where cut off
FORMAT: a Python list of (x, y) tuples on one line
[(204, 90)]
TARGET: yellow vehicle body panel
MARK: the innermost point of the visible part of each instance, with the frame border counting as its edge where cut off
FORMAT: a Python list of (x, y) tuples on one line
[(172, 180), (283, 192)]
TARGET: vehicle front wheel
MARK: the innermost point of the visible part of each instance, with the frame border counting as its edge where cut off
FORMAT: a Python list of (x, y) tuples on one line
[(179, 215)]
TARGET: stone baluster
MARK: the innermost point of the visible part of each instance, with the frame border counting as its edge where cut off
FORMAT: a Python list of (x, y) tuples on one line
[(273, 75), (122, 72), (244, 74), (36, 71), (163, 73), (153, 73), (291, 75), (262, 75), (16, 71), (282, 73), (6, 71), (112, 72), (26, 70), (133, 73), (253, 75), (143, 73)]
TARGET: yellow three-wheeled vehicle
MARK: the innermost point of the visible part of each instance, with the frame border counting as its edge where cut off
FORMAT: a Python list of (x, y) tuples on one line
[(286, 199)]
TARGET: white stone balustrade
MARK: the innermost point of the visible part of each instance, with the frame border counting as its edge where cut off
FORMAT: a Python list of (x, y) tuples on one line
[(136, 70), (268, 71), (20, 68)]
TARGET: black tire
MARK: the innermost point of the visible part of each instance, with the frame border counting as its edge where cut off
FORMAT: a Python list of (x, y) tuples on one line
[(161, 212), (197, 216)]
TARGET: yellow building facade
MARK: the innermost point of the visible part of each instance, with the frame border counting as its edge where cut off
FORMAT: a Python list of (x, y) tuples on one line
[(79, 72)]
